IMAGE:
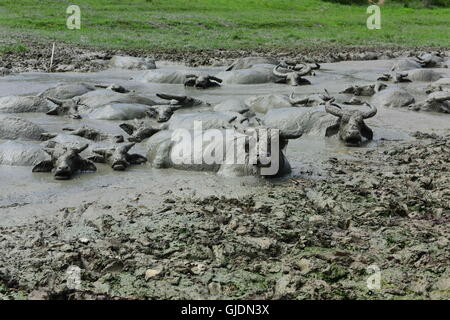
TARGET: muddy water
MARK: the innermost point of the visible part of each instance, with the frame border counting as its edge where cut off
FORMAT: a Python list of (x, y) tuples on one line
[(24, 194)]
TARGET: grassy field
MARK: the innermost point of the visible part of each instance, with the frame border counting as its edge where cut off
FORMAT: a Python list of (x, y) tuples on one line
[(215, 24)]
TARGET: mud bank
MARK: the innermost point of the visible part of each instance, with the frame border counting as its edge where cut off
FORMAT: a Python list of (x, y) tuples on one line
[(69, 57), (303, 239)]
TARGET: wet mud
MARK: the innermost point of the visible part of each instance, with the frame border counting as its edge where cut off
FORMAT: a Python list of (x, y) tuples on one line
[(171, 234)]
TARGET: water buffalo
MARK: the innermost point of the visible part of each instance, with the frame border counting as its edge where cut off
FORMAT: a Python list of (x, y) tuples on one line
[(392, 98), (66, 161), (99, 98), (95, 99), (233, 105), (202, 81), (227, 152), (439, 85), (311, 100), (184, 101), (365, 90), (396, 77), (209, 120), (139, 131), (350, 125), (168, 76), (13, 128), (248, 62), (122, 111), (91, 99), (21, 153), (118, 158), (95, 135), (67, 90), (320, 120), (405, 64), (431, 60), (425, 75), (20, 104), (68, 107), (292, 76), (438, 101), (261, 73), (165, 111), (299, 66), (264, 103)]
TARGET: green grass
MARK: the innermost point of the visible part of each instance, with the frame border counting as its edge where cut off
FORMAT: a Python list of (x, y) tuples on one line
[(12, 48), (227, 24)]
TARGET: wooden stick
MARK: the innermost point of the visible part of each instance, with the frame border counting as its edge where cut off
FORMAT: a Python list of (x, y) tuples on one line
[(51, 59)]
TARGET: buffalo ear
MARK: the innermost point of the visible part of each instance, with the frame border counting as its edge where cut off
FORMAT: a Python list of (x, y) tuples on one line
[(190, 82), (366, 132), (43, 166), (128, 128), (87, 165), (52, 112), (332, 130), (136, 158)]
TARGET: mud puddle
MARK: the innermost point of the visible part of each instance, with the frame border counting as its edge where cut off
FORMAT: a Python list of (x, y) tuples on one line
[(25, 192)]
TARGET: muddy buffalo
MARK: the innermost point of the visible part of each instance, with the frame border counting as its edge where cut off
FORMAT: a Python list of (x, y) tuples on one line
[(227, 152), (349, 126), (202, 81), (65, 161), (118, 158)]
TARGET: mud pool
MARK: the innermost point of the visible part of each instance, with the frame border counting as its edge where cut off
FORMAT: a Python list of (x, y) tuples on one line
[(24, 194)]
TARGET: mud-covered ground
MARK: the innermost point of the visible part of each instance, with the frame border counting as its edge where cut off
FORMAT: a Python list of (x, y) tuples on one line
[(388, 208), (385, 208), (37, 54)]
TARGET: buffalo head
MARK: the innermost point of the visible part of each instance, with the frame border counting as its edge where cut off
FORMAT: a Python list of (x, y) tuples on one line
[(350, 125), (113, 87), (396, 77), (165, 112), (294, 77), (139, 131), (202, 82), (365, 90), (95, 135), (269, 145), (65, 107), (118, 157), (66, 161)]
